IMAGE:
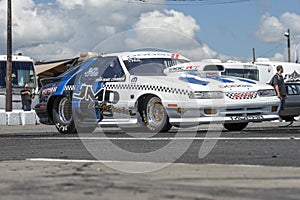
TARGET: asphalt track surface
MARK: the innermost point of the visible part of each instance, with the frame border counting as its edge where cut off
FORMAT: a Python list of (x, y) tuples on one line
[(261, 162)]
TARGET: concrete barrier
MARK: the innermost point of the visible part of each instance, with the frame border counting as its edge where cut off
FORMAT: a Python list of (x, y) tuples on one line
[(13, 118), (18, 117), (3, 118), (28, 118)]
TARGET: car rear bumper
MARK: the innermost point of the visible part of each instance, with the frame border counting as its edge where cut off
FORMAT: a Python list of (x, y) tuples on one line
[(42, 112)]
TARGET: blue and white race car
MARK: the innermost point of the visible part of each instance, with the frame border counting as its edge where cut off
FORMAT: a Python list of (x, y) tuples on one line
[(158, 90), (155, 90)]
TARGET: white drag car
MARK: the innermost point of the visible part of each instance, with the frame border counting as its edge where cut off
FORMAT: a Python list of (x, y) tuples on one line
[(156, 90)]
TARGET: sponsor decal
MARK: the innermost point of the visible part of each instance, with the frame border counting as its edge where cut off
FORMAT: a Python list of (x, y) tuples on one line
[(85, 93), (102, 101), (247, 118), (109, 110), (48, 90), (235, 86), (183, 68), (133, 60), (176, 56), (150, 55), (192, 68), (92, 72), (212, 75), (242, 95), (110, 79), (175, 69), (292, 77), (134, 80), (61, 127)]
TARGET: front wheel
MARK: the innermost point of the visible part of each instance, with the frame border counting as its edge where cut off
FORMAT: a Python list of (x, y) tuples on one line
[(235, 126), (154, 115), (62, 116)]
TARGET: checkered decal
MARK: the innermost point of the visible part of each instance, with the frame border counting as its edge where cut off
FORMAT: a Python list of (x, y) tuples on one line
[(241, 95), (147, 88), (70, 87)]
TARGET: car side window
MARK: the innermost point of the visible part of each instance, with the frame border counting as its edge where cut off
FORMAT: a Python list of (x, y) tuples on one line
[(292, 90), (298, 88), (113, 70)]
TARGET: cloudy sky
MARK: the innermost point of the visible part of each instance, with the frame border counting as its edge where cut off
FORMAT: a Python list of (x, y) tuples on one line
[(224, 29)]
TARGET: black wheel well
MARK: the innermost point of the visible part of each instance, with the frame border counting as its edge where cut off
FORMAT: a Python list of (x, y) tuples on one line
[(141, 99), (50, 105)]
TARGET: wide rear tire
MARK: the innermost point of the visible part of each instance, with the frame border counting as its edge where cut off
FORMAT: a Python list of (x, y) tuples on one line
[(62, 116)]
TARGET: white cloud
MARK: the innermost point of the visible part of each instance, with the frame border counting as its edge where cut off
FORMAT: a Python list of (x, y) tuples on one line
[(67, 27), (272, 29), (292, 21), (70, 4), (171, 30), (278, 57), (169, 19), (73, 25)]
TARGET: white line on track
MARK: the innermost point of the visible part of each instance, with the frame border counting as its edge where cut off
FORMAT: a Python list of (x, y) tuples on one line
[(166, 138), (115, 162), (126, 162), (69, 160)]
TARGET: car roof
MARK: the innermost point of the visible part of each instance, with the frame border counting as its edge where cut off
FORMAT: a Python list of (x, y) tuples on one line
[(146, 54)]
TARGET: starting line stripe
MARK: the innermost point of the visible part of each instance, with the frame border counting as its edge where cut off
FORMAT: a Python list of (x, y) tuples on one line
[(167, 138)]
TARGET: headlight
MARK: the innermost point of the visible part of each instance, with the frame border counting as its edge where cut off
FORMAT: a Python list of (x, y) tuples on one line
[(267, 93), (207, 95)]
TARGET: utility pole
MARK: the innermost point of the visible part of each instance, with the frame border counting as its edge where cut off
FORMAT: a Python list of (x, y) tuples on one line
[(287, 34), (253, 55), (9, 59)]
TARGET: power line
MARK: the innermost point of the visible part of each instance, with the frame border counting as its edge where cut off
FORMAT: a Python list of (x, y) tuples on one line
[(206, 2), (185, 2), (270, 50)]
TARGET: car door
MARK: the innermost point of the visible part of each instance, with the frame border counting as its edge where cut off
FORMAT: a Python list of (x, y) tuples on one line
[(293, 91)]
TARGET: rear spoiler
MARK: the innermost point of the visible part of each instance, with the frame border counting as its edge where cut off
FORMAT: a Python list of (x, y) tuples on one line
[(46, 81)]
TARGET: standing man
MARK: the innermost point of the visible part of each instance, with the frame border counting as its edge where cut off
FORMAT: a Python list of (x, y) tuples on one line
[(279, 86), (26, 97)]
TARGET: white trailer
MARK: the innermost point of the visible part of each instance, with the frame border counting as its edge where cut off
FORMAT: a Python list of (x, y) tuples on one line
[(22, 72), (267, 69)]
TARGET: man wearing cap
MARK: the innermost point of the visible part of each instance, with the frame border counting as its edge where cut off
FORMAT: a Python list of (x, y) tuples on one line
[(26, 97), (280, 86)]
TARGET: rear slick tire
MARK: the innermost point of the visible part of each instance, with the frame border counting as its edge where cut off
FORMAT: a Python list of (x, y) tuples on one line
[(62, 116)]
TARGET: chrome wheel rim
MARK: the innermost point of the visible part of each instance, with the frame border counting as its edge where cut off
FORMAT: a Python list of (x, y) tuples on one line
[(155, 112), (65, 110)]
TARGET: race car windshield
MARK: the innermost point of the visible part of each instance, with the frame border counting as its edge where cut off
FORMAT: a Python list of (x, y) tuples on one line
[(150, 66)]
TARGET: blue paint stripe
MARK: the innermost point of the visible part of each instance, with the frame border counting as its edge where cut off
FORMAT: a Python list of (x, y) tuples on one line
[(246, 80), (193, 81), (221, 79)]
